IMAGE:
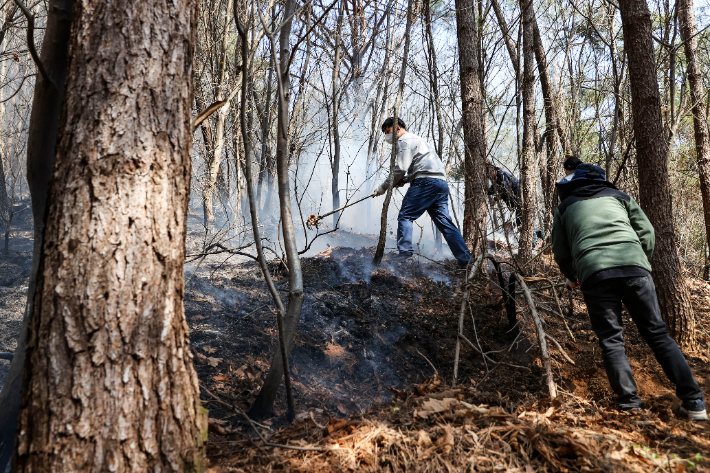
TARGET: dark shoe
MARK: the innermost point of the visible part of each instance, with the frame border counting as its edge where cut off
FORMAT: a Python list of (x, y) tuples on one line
[(628, 408), (462, 264), (402, 256)]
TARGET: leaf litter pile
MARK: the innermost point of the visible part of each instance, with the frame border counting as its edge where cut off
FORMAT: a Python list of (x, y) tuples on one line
[(372, 367), (439, 431)]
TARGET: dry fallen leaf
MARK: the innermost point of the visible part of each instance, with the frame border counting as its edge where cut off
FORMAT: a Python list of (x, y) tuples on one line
[(423, 439), (342, 409), (209, 349), (200, 358), (220, 378), (338, 424), (217, 426), (432, 406), (213, 361), (446, 441)]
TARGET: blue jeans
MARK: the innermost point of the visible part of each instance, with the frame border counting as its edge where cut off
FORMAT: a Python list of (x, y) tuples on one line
[(604, 300), (432, 196)]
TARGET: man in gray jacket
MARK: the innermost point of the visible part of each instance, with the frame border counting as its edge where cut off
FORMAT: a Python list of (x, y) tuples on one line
[(418, 164)]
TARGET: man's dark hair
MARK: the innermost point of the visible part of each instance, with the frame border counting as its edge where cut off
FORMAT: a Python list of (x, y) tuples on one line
[(390, 122), (571, 163)]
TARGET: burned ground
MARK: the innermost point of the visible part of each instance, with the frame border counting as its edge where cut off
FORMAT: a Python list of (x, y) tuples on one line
[(15, 267), (368, 335), (368, 344)]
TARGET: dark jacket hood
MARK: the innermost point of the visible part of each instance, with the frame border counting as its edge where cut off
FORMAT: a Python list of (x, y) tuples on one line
[(585, 181)]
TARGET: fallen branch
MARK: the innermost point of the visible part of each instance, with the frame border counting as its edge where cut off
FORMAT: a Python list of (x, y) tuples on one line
[(545, 355), (254, 424), (471, 270), (470, 344), (560, 349), (559, 307)]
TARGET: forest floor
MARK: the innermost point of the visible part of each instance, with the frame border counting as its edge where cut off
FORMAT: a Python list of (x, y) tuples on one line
[(372, 367)]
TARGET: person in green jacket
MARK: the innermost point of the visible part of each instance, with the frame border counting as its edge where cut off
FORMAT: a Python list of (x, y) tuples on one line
[(603, 241)]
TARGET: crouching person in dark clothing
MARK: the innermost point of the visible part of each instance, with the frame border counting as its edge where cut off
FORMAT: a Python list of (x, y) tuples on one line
[(506, 188), (602, 239)]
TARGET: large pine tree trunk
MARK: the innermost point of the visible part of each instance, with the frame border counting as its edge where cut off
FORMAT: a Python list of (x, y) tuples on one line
[(528, 193), (474, 221), (654, 183), (109, 383), (688, 34), (41, 140)]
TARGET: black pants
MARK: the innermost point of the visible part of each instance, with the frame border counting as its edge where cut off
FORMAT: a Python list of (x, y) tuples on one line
[(604, 300)]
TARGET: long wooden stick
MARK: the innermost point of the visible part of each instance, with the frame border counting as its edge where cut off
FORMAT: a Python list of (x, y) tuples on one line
[(320, 217), (545, 355), (473, 269)]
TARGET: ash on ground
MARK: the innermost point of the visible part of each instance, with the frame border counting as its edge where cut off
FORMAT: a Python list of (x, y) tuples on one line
[(363, 329)]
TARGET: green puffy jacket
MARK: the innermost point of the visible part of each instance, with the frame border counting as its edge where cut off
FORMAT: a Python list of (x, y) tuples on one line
[(599, 227)]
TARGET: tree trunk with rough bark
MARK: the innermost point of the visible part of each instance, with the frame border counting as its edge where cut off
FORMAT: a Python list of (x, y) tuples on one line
[(688, 34), (527, 169), (654, 183), (41, 141), (475, 216), (108, 378)]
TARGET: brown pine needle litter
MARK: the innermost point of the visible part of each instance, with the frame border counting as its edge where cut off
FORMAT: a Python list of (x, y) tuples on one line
[(435, 430)]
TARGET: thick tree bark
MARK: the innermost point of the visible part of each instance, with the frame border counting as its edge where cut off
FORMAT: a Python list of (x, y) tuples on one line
[(688, 32), (475, 216), (527, 168), (108, 379), (654, 183), (41, 141), (264, 401)]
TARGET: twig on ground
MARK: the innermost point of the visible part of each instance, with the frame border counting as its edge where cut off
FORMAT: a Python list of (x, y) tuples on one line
[(472, 269), (545, 355), (561, 350), (559, 307), (475, 348), (254, 424), (430, 363)]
